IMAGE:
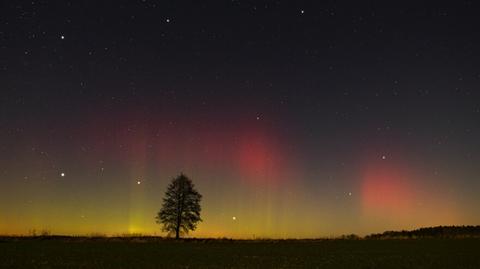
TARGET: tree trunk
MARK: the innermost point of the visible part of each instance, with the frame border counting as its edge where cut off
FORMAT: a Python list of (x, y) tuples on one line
[(177, 229)]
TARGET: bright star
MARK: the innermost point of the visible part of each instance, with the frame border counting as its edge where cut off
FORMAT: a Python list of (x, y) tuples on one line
[(62, 174), (234, 218)]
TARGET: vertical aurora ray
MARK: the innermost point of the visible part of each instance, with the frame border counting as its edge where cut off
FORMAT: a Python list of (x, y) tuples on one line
[(237, 168)]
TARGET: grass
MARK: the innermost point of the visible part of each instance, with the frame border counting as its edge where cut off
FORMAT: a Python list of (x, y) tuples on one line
[(155, 253)]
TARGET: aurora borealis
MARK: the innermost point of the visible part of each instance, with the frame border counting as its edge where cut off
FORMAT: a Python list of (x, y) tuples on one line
[(293, 120)]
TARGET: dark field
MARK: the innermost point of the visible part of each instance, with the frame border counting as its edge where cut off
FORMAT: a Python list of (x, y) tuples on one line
[(147, 253)]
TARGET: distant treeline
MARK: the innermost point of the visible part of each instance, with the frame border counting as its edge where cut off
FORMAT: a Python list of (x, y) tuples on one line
[(432, 232), (428, 232)]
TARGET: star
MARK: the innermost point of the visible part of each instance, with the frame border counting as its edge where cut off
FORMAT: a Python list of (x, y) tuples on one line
[(167, 20), (139, 182), (384, 157), (62, 37), (234, 218), (302, 11), (62, 174)]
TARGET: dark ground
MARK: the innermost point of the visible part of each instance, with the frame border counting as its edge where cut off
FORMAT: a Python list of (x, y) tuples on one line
[(148, 253)]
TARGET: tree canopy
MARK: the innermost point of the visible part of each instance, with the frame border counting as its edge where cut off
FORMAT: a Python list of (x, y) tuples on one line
[(180, 212)]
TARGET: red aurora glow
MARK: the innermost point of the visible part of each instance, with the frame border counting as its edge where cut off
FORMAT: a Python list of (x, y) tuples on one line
[(387, 189), (254, 153)]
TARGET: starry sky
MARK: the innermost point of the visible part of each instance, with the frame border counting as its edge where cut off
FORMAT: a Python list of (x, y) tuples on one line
[(293, 118)]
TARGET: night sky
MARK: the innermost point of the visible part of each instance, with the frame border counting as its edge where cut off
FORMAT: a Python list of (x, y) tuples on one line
[(293, 118)]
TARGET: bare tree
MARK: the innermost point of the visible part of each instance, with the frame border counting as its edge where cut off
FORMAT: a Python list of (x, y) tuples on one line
[(180, 211)]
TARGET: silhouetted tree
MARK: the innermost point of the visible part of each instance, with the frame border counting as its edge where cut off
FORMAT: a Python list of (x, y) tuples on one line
[(180, 211)]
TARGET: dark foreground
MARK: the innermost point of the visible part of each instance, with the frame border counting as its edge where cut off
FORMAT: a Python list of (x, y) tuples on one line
[(141, 253)]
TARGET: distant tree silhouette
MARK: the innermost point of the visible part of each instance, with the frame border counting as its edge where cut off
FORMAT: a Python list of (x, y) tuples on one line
[(432, 232), (180, 211)]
